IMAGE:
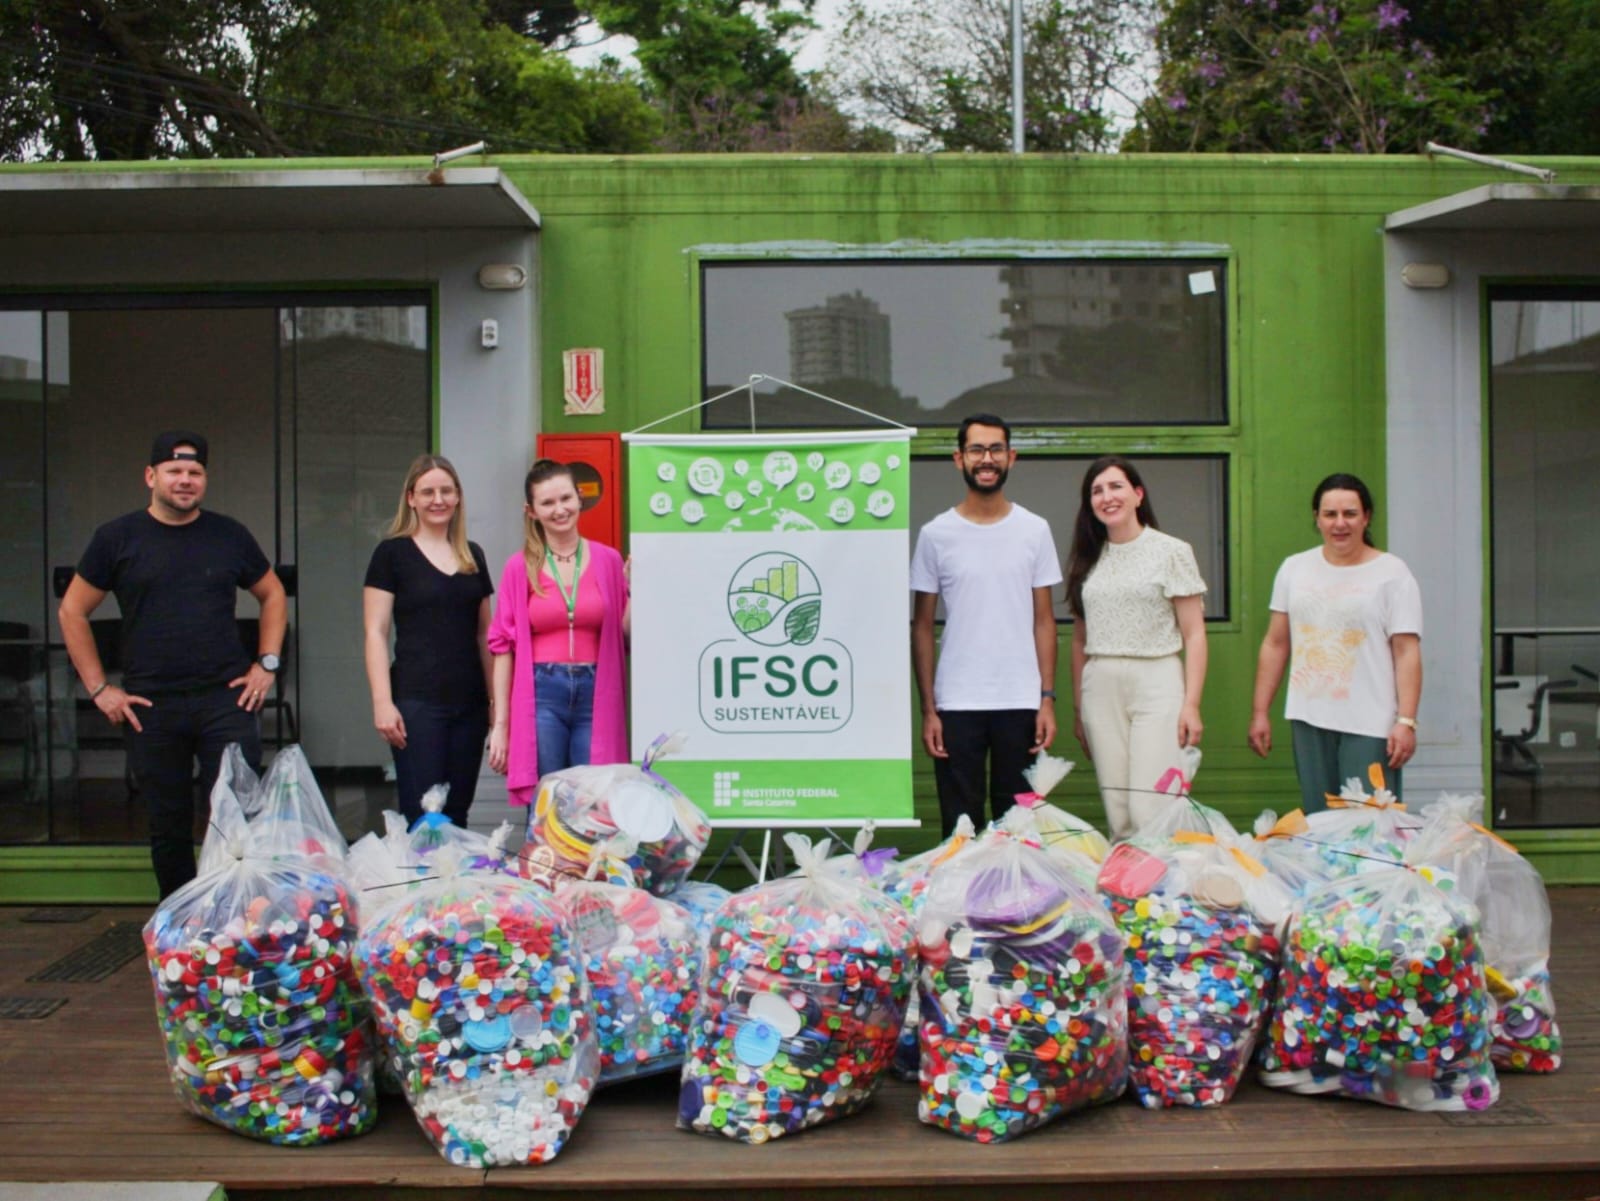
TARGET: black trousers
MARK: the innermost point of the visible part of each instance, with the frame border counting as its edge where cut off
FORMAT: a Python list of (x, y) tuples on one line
[(975, 738), (444, 745), (180, 728)]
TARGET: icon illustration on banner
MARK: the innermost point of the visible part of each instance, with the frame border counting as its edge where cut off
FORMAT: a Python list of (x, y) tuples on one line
[(774, 600), (802, 683)]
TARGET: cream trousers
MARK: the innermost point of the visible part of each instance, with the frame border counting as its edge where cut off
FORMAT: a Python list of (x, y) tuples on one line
[(1130, 718)]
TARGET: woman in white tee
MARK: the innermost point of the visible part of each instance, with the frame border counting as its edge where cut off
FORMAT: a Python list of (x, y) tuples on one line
[(1347, 622), (1136, 597)]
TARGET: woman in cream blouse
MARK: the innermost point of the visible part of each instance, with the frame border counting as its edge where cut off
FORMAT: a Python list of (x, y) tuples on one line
[(1135, 594)]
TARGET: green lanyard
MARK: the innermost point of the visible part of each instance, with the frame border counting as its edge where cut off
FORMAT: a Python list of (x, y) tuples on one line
[(570, 597)]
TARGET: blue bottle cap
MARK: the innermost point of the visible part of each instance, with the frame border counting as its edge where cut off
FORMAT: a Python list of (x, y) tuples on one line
[(756, 1044), (492, 1034)]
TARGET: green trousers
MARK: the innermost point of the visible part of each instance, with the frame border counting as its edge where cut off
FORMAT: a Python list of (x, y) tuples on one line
[(1325, 759)]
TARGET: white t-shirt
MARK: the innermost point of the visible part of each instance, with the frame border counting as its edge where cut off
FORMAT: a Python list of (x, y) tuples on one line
[(1341, 670), (1127, 597), (986, 575)]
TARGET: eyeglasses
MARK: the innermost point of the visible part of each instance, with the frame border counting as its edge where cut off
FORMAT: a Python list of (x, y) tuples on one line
[(977, 454)]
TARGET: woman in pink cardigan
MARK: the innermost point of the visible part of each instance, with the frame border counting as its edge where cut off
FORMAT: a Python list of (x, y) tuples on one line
[(561, 618)]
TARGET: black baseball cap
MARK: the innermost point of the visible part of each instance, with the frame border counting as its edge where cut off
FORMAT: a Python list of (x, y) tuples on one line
[(165, 448)]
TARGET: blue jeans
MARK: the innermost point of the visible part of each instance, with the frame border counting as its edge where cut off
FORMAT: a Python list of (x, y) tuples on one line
[(564, 711), (444, 745)]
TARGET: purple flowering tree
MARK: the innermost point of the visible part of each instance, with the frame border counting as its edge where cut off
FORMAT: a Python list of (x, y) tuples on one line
[(1296, 76)]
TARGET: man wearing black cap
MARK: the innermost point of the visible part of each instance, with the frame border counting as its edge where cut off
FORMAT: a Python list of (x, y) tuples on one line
[(188, 686)]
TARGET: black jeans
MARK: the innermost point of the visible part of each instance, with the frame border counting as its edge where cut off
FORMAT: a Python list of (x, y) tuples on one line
[(444, 745), (180, 727), (1002, 737)]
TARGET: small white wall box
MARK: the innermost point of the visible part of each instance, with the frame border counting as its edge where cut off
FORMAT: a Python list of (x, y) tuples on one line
[(491, 333)]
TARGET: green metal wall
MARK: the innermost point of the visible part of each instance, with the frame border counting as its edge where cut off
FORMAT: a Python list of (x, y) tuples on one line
[(1307, 389)]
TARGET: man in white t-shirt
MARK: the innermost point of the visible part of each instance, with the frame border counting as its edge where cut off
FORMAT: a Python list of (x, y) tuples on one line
[(992, 699)]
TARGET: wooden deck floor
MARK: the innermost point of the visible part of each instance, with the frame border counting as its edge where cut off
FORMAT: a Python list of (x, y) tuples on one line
[(84, 1096)]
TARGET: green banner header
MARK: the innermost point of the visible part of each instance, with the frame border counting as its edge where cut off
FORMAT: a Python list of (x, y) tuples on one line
[(756, 488)]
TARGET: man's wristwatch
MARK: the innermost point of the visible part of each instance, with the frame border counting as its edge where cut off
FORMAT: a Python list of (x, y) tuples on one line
[(270, 662), (1410, 722), (1047, 694)]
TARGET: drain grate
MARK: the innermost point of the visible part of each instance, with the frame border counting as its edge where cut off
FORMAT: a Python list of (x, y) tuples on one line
[(1503, 1113), (60, 913), (29, 1008), (99, 957)]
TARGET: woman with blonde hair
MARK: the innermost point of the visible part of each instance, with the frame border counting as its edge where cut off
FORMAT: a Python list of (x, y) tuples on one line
[(431, 704), (558, 636)]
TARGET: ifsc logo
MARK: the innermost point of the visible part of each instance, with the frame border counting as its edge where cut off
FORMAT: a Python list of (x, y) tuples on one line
[(779, 675)]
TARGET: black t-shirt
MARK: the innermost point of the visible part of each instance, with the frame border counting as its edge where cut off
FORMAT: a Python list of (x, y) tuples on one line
[(435, 624), (177, 586)]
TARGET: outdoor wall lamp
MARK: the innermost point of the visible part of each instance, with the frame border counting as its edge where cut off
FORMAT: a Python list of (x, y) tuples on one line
[(1423, 275), (502, 277)]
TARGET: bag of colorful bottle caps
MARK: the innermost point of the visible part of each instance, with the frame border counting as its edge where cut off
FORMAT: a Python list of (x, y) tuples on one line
[(581, 807), (1382, 996), (1362, 831), (1515, 911), (905, 882), (265, 1028), (800, 999), (641, 956), (477, 982), (1024, 993), (1201, 918)]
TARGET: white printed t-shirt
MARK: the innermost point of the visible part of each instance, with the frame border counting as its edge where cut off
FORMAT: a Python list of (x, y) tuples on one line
[(1341, 670), (1127, 597), (986, 575)]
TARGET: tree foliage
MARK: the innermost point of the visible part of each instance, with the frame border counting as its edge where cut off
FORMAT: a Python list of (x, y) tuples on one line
[(941, 71), (1374, 76), (139, 79)]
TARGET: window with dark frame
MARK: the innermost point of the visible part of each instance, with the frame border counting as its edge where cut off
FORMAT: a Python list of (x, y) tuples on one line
[(1040, 342)]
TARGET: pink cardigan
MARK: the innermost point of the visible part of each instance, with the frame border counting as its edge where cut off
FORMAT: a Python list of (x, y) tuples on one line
[(510, 633)]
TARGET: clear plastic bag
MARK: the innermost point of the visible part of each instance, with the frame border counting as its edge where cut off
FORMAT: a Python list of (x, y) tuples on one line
[(478, 984), (290, 816), (237, 778), (641, 955), (1023, 992), (1201, 918), (702, 899), (1286, 846), (1051, 826), (1362, 831), (1382, 996), (433, 831), (1515, 909), (581, 807), (800, 1000), (265, 1027)]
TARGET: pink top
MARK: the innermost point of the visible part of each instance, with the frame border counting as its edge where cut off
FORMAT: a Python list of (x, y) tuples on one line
[(511, 634), (548, 614)]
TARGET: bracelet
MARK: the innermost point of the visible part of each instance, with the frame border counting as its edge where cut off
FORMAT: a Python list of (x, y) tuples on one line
[(99, 688), (1047, 694), (1409, 722)]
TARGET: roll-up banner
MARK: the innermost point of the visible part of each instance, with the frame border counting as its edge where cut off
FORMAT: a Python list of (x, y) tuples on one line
[(770, 575)]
